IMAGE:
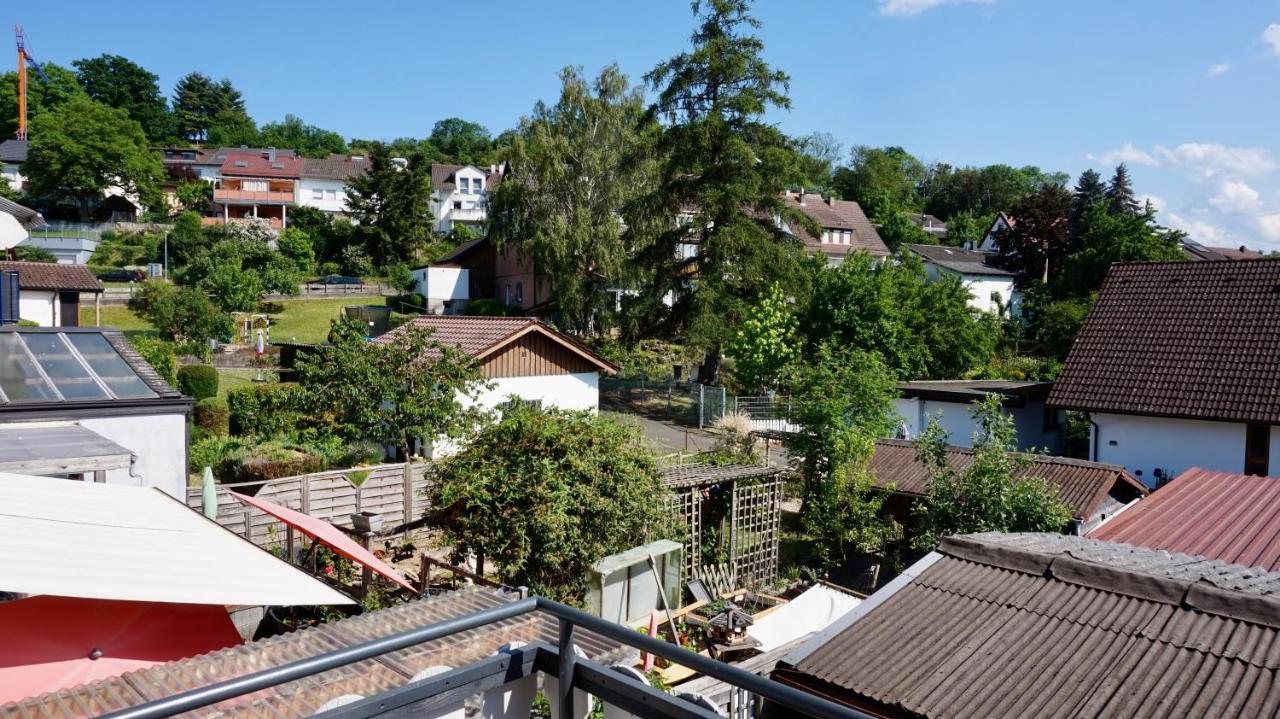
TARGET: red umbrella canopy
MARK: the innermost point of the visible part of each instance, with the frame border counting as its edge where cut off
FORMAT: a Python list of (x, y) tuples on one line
[(327, 534), (51, 643)]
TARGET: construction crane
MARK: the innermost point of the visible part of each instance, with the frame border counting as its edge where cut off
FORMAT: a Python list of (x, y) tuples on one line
[(24, 57)]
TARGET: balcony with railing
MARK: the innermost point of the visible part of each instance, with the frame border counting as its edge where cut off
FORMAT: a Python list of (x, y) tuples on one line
[(467, 214), (270, 196)]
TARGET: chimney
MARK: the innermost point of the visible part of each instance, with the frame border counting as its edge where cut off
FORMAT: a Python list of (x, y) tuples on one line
[(831, 200), (800, 196), (271, 154)]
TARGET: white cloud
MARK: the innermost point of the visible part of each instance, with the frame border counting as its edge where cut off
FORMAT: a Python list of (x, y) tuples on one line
[(1198, 230), (1218, 68), (1157, 202), (1235, 196), (1212, 158), (911, 8), (1128, 154), (1269, 226), (1271, 36)]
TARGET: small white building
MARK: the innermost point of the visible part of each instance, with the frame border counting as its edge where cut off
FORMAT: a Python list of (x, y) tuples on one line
[(49, 293), (12, 154), (522, 359), (952, 401), (1177, 366), (460, 195), (322, 182), (81, 403), (991, 289), (446, 288)]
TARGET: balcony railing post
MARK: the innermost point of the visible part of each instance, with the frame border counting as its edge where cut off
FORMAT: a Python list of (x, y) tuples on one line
[(568, 662)]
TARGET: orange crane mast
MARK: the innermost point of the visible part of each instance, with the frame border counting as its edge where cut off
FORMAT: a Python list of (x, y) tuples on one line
[(24, 57)]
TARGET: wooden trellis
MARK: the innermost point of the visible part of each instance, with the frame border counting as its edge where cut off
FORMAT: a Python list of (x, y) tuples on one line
[(753, 519)]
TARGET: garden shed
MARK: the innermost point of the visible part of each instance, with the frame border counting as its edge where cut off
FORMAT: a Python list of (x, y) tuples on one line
[(732, 514)]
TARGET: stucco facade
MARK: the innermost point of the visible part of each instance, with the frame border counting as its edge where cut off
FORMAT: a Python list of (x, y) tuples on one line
[(1036, 430), (1144, 444), (159, 441)]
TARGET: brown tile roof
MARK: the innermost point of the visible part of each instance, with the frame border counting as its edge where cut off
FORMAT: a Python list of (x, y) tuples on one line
[(301, 698), (1198, 340), (1219, 515), (334, 167), (53, 276), (967, 262), (1197, 251), (1089, 488), (243, 163), (837, 215), (1046, 625), (482, 336)]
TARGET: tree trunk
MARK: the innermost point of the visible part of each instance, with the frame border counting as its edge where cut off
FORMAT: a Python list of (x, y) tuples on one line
[(709, 371)]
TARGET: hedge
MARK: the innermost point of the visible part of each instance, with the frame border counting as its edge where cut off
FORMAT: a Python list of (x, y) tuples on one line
[(198, 380), (273, 462), (263, 410), (160, 354), (410, 304), (213, 416)]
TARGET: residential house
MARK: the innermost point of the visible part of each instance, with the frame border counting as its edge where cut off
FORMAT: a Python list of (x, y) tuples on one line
[(460, 195), (951, 401), (261, 185), (522, 359), (991, 289), (12, 154), (930, 224), (456, 277), (1196, 251), (1095, 492), (80, 402), (1039, 625), (845, 229), (49, 293), (322, 183), (1218, 515), (989, 242), (1178, 366)]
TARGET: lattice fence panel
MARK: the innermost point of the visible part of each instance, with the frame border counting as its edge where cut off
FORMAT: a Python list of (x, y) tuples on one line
[(686, 502), (755, 530)]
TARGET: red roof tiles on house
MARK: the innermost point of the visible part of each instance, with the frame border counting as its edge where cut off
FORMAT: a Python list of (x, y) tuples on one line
[(483, 336), (250, 164), (832, 214), (1218, 515), (1198, 340), (52, 276)]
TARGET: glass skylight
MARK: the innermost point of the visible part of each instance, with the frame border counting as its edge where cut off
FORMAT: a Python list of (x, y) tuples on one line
[(65, 366)]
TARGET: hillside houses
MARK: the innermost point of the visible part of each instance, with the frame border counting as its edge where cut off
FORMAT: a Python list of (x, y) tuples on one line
[(845, 228), (991, 288)]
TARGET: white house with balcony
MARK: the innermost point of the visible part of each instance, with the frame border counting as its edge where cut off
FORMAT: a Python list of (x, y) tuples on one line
[(322, 182), (460, 194)]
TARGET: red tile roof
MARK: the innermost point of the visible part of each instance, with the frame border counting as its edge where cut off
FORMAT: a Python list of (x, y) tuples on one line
[(837, 215), (52, 276), (256, 164), (1198, 340), (482, 336), (1218, 515), (1084, 486)]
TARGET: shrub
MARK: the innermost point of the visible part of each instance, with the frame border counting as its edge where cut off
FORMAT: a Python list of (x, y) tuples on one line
[(28, 323), (198, 380), (194, 348), (487, 307), (161, 355), (216, 452), (273, 461), (362, 452), (263, 410), (212, 415), (412, 303), (735, 442)]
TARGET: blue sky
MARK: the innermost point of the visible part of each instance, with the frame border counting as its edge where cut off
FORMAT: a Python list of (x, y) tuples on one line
[(1186, 91)]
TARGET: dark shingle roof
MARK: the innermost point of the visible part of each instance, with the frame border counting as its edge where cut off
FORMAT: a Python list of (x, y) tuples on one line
[(1197, 251), (1220, 515), (1084, 486), (334, 167), (53, 276), (1046, 625), (972, 390), (13, 151), (838, 215), (1198, 340), (966, 262)]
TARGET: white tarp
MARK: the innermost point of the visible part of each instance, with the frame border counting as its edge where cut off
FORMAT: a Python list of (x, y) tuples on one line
[(106, 541), (812, 611)]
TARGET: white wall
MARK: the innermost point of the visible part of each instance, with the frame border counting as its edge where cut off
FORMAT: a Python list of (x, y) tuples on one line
[(957, 420), (334, 193), (473, 202), (566, 391), (160, 441), (13, 176), (981, 287), (39, 306), (1142, 444), (443, 284)]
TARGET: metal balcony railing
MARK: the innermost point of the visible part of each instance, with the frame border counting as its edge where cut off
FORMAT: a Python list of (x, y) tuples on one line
[(572, 671), (275, 196)]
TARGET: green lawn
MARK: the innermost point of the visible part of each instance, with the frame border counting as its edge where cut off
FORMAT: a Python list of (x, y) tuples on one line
[(301, 321)]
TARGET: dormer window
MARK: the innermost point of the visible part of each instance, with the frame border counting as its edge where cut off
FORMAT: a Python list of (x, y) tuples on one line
[(464, 184), (242, 163)]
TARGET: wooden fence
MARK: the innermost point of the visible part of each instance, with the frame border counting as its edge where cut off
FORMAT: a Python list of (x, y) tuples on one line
[(396, 491)]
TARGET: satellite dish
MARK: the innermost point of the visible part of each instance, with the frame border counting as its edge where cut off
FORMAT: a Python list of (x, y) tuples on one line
[(12, 233)]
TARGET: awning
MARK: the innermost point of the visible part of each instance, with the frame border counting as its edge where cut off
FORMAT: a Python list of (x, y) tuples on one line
[(51, 643), (109, 541), (327, 534), (58, 449), (814, 610)]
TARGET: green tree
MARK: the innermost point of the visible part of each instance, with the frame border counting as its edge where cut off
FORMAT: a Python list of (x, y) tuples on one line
[(1120, 197), (920, 329), (297, 247), (83, 147), (180, 313), (896, 229), (842, 400), (950, 191), (118, 82), (967, 229), (765, 344), (194, 196), (239, 266), (186, 239), (200, 104), (1110, 238), (232, 128), (461, 141), (232, 287), (725, 167), (544, 494), (990, 495), (395, 393), (42, 96), (31, 253), (881, 174), (1089, 192), (819, 152), (308, 140), (574, 168), (390, 206)]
